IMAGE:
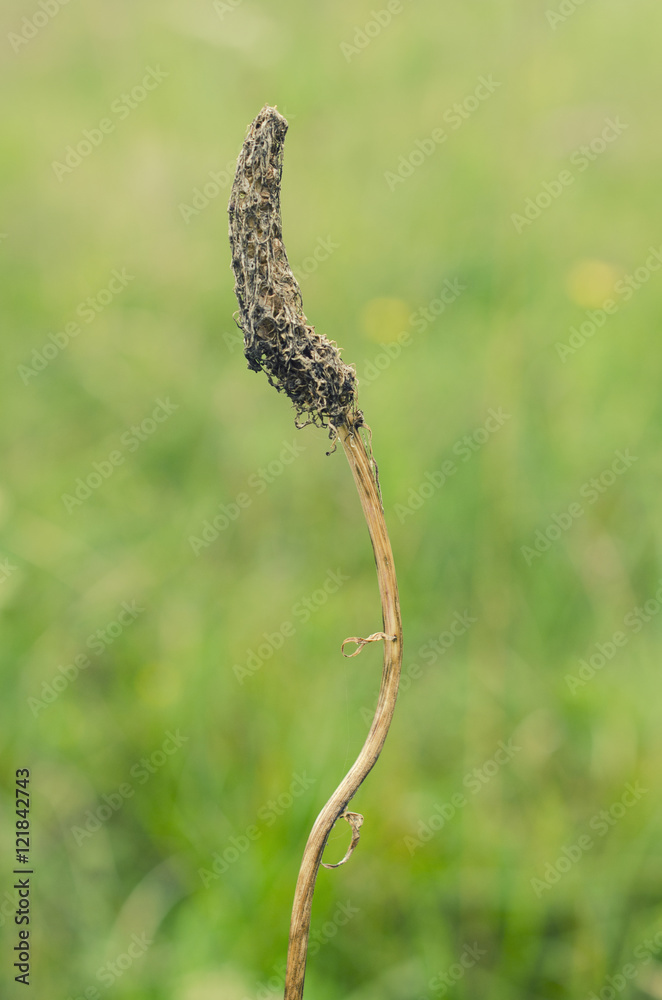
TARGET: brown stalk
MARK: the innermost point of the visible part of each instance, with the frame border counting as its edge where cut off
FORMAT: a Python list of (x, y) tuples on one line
[(307, 367), (366, 485)]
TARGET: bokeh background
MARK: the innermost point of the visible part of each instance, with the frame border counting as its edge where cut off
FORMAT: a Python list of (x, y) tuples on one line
[(178, 763)]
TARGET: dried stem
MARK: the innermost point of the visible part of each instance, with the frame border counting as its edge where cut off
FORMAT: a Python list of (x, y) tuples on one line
[(366, 485)]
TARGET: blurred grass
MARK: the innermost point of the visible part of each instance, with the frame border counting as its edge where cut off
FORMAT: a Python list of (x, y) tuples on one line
[(305, 709)]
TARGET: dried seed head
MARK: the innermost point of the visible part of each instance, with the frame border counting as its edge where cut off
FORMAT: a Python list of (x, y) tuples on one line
[(277, 337)]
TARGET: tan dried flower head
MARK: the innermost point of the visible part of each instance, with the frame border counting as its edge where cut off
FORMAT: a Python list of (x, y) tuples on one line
[(277, 337)]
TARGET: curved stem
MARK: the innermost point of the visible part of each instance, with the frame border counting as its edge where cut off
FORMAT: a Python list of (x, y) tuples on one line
[(312, 856)]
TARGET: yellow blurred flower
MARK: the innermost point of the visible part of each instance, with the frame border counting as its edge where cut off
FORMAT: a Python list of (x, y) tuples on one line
[(383, 319), (590, 282)]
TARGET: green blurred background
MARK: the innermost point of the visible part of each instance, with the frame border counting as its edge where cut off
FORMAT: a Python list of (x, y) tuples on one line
[(448, 860)]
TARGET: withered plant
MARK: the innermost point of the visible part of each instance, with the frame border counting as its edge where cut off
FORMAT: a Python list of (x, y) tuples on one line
[(308, 368)]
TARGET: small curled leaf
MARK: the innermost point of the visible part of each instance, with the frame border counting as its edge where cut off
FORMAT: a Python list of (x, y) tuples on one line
[(355, 820), (375, 637)]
